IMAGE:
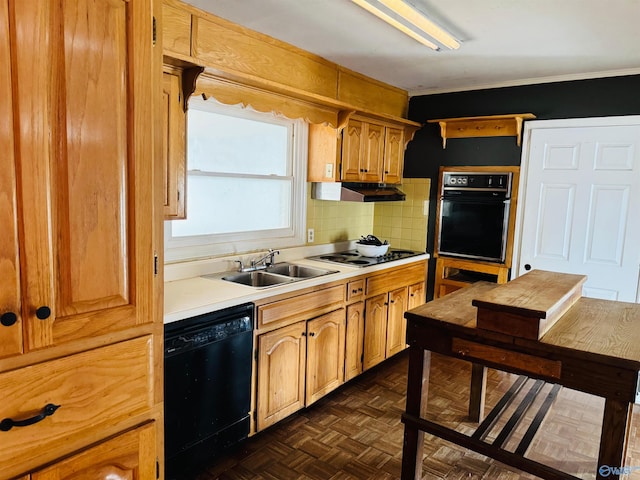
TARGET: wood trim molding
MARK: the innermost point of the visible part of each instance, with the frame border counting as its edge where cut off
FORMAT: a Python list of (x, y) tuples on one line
[(230, 92)]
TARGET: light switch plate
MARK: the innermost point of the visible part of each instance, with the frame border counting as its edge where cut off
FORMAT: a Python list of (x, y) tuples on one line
[(328, 170)]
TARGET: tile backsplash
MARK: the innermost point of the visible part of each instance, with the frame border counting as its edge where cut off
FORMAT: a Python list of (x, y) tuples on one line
[(403, 224)]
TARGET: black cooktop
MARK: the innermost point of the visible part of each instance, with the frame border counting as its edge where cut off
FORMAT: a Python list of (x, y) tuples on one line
[(354, 259)]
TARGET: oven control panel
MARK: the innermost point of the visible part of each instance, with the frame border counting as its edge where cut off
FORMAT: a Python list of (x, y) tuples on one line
[(477, 181)]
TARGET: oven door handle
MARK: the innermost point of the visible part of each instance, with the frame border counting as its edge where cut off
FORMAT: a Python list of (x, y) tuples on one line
[(476, 200)]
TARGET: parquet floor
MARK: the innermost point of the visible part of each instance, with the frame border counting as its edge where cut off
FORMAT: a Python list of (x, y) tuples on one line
[(355, 433)]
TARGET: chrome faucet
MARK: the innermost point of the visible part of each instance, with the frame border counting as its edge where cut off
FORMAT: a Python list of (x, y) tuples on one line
[(265, 260), (260, 263)]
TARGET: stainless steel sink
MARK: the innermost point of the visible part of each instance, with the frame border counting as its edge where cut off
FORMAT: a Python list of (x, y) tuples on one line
[(258, 279), (278, 274), (298, 271)]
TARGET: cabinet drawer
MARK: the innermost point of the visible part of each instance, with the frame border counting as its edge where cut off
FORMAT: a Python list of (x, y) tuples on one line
[(396, 278), (355, 290), (301, 307), (499, 356), (93, 389)]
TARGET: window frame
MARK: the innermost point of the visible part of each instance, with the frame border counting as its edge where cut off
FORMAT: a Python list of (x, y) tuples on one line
[(203, 246)]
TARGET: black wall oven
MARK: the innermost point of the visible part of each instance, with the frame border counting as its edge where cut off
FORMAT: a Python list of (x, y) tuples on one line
[(474, 215)]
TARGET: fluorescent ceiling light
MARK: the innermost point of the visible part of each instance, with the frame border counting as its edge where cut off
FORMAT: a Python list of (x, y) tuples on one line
[(413, 17)]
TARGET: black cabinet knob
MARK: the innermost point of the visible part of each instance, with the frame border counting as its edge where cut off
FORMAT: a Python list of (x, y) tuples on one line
[(527, 267), (8, 318), (43, 313)]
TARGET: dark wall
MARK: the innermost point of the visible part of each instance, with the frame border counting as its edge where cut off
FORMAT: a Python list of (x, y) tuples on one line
[(576, 99)]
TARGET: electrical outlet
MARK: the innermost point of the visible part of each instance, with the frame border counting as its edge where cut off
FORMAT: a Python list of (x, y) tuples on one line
[(425, 208), (310, 235)]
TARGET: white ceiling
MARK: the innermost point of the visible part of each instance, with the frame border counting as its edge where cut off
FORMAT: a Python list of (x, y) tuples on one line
[(504, 42)]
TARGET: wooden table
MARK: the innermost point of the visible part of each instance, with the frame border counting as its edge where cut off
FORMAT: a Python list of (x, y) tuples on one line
[(594, 347)]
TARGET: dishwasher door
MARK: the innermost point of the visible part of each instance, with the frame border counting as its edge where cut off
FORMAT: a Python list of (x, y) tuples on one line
[(207, 399)]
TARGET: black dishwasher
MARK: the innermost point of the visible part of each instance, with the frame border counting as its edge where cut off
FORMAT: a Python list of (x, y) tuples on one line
[(207, 387)]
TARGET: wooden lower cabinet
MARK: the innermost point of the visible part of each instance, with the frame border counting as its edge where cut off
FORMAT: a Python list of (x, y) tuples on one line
[(353, 356), (310, 343), (396, 323), (299, 364), (281, 373), (325, 354), (417, 295), (385, 326), (131, 456), (375, 330)]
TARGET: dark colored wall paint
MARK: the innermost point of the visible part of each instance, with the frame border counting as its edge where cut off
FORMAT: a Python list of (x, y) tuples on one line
[(600, 97)]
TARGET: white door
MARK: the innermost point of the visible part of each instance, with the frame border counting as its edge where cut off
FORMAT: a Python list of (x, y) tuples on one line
[(581, 210)]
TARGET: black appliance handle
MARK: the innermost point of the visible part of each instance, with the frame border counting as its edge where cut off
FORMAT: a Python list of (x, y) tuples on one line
[(476, 200), (48, 410)]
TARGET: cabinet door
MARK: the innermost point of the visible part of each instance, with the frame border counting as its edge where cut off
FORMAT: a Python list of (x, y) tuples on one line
[(325, 354), (281, 373), (10, 315), (173, 147), (355, 341), (417, 295), (396, 323), (353, 144), (375, 330), (393, 155), (83, 72), (373, 158), (131, 455)]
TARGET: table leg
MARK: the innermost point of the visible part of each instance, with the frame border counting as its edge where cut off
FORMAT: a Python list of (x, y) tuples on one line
[(613, 439), (417, 392), (478, 391)]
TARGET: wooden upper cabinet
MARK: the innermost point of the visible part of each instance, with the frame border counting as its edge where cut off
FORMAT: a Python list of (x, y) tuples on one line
[(10, 305), (353, 144), (373, 158), (362, 152), (393, 155), (371, 153), (173, 146), (82, 77)]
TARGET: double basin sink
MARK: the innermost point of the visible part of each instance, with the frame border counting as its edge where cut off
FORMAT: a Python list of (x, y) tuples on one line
[(277, 274)]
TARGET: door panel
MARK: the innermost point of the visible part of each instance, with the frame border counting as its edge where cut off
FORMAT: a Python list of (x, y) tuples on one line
[(84, 151), (374, 153), (281, 373), (11, 324), (582, 187), (325, 354), (352, 150), (397, 324), (375, 330), (354, 340)]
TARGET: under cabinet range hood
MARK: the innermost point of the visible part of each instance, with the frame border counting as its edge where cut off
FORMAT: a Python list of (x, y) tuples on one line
[(356, 192)]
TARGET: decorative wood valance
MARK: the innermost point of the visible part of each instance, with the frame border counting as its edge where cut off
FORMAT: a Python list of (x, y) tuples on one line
[(233, 93), (487, 126)]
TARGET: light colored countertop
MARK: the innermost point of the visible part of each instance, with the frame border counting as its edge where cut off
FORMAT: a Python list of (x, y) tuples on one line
[(195, 295)]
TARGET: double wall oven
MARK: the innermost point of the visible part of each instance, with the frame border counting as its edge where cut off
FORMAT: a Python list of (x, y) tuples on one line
[(474, 215)]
